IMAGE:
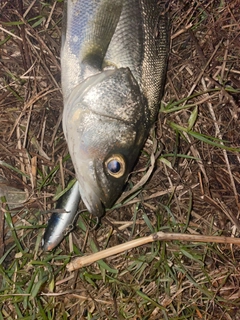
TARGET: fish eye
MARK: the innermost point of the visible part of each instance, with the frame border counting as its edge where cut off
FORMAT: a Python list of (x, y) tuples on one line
[(115, 165)]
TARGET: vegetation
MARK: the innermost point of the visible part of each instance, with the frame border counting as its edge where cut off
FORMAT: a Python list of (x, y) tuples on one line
[(191, 161)]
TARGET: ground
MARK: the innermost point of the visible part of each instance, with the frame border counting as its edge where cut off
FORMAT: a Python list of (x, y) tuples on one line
[(193, 186)]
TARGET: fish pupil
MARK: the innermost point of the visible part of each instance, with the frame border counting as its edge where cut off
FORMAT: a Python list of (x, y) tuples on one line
[(114, 166)]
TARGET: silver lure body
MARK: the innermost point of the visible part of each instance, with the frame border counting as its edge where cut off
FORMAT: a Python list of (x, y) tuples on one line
[(60, 223), (113, 59)]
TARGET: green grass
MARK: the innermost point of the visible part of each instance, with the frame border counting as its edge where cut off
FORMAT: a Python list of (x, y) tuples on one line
[(143, 278)]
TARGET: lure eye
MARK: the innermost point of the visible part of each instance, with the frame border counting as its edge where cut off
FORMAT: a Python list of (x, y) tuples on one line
[(115, 166)]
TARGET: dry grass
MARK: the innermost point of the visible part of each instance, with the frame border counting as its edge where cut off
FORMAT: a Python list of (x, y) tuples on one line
[(194, 187)]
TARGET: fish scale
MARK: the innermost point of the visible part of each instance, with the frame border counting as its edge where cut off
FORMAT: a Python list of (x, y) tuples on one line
[(141, 43)]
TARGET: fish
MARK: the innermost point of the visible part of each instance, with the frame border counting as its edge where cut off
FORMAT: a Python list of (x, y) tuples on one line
[(61, 223), (113, 61)]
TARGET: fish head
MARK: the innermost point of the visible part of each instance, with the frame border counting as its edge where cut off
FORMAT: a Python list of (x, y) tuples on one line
[(105, 121)]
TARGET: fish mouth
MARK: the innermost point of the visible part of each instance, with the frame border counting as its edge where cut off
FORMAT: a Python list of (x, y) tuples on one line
[(91, 200)]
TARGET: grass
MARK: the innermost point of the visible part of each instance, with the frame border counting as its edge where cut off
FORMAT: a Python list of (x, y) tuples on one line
[(186, 180)]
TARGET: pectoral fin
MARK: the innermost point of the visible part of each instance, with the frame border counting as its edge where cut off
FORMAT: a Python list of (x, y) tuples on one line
[(91, 25), (88, 27)]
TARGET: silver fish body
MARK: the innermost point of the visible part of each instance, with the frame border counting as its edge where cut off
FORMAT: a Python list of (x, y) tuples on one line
[(113, 59), (60, 222)]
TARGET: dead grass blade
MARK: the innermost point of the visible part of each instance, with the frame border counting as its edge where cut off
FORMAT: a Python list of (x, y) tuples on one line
[(159, 236)]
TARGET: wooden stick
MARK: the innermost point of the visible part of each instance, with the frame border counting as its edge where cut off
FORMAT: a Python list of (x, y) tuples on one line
[(86, 260)]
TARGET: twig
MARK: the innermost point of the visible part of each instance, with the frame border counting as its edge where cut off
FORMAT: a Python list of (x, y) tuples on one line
[(183, 30), (2, 220), (84, 261)]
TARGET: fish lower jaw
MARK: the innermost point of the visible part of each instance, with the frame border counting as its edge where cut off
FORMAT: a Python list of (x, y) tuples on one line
[(93, 204)]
